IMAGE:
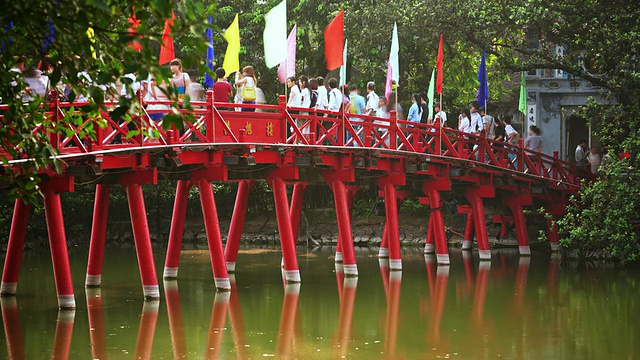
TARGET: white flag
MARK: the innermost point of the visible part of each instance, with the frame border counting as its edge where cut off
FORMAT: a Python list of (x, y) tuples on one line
[(275, 35), (343, 68), (393, 55)]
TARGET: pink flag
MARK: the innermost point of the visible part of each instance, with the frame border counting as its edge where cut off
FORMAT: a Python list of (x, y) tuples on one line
[(388, 87), (288, 66)]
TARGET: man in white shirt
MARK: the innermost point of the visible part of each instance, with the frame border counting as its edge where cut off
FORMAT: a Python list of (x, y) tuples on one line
[(372, 99), (295, 97), (476, 124), (335, 96), (323, 95)]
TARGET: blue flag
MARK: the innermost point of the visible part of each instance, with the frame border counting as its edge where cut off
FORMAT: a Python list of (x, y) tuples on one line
[(482, 96), (208, 80)]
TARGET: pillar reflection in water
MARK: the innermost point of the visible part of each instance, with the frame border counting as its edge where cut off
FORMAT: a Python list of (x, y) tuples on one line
[(12, 329), (521, 284), (347, 294), (216, 325), (64, 332), (438, 300), (96, 323), (287, 320), (480, 294), (176, 325), (237, 321), (147, 329), (392, 283)]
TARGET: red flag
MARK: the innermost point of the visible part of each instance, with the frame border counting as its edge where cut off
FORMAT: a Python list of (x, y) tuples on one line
[(167, 53), (133, 31), (439, 66), (334, 42)]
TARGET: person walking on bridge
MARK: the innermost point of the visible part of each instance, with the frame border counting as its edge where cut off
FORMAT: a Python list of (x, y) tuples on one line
[(372, 99)]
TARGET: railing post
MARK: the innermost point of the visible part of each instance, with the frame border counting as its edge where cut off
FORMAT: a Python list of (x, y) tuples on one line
[(438, 135), (209, 123), (367, 128), (393, 122), (554, 169), (54, 107), (282, 107), (521, 153), (141, 120)]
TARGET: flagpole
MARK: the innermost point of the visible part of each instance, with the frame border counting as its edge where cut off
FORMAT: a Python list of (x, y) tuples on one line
[(440, 137)]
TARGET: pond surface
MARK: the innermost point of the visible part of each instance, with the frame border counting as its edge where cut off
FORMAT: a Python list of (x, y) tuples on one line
[(509, 308)]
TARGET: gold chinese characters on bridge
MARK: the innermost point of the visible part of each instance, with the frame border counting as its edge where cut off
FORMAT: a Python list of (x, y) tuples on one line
[(269, 129), (247, 128), (224, 131)]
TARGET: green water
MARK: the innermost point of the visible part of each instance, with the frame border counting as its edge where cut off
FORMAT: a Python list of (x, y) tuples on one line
[(510, 308)]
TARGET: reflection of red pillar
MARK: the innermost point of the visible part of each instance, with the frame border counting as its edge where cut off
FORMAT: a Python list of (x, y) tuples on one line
[(384, 243), (98, 234), (467, 259), (339, 278), (143, 241), (12, 330), (431, 265), (442, 249), (58, 245), (480, 296), (237, 221), (237, 322), (430, 243), (297, 198), (344, 228), (521, 282), (177, 230), (96, 324), (148, 320), (393, 312), (287, 320), (347, 302), (393, 231), (64, 332), (384, 273), (15, 246), (469, 232), (214, 238), (216, 325), (442, 279), (176, 326), (338, 258), (287, 240), (477, 206)]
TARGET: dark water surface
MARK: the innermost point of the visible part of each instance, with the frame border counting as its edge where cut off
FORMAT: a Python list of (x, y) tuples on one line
[(510, 308)]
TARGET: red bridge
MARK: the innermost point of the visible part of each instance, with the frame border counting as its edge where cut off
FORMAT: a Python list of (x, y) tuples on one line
[(345, 151)]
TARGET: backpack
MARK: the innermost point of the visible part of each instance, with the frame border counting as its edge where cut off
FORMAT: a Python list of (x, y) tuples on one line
[(314, 99)]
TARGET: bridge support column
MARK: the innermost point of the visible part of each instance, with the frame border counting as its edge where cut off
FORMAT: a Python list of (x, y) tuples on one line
[(393, 231), (176, 232), (214, 238), (297, 198), (384, 242), (515, 203), (430, 243), (475, 195), (98, 234), (142, 241), (469, 232), (442, 248), (237, 221), (345, 236), (58, 245), (15, 247), (352, 190), (287, 239)]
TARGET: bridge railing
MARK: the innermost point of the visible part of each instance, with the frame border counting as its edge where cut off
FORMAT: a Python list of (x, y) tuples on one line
[(213, 122)]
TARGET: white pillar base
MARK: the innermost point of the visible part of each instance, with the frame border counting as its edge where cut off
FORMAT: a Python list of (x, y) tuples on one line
[(524, 250), (231, 267), (383, 253), (429, 258), (338, 257), (443, 259), (395, 276), (466, 244), (151, 292), (555, 246), (92, 280), (443, 270), (395, 264), (485, 254), (170, 273), (350, 270), (351, 282), (282, 263), (429, 248), (383, 262), (7, 288), (292, 276), (66, 302), (222, 284)]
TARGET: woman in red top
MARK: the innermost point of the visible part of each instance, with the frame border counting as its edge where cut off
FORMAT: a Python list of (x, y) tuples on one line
[(222, 90)]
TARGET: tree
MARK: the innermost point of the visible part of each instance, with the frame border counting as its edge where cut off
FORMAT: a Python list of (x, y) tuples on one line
[(75, 36)]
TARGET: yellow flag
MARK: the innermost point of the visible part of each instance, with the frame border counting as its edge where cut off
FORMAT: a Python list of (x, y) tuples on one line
[(232, 56), (92, 38)]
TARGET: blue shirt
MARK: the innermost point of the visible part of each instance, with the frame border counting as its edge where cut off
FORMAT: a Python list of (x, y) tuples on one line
[(414, 115)]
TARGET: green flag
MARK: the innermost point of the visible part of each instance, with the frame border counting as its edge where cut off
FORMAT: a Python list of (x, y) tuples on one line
[(522, 105), (431, 93)]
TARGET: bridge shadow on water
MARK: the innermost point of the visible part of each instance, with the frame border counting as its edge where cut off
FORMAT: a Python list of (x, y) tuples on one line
[(510, 307)]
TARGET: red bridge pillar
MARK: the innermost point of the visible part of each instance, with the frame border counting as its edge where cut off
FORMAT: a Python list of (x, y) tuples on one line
[(555, 207), (436, 234), (515, 203), (214, 238), (352, 190), (237, 221), (475, 195), (391, 223), (345, 236), (177, 230), (98, 234), (287, 239), (384, 241), (15, 246)]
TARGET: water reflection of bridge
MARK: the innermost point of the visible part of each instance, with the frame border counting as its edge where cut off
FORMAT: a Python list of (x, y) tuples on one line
[(402, 159), (227, 324)]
